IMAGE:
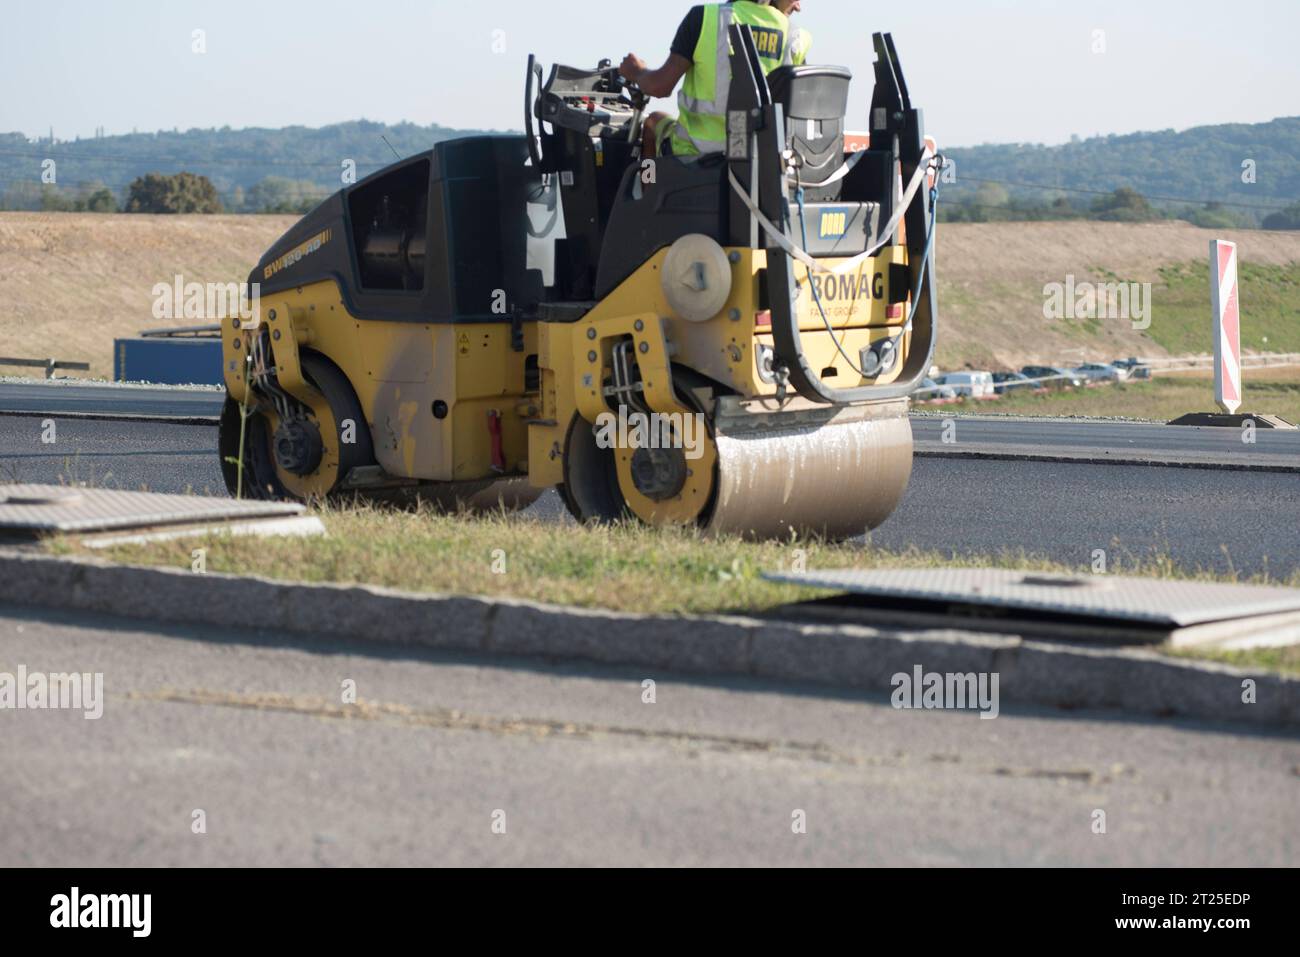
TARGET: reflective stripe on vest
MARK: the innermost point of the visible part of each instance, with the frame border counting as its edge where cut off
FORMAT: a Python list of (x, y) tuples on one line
[(702, 103)]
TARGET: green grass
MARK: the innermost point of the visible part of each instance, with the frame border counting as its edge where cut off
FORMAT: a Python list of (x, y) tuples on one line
[(1273, 391), (623, 567), (1270, 308), (1283, 660)]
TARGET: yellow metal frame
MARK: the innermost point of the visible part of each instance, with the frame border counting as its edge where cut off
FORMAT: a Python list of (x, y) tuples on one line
[(398, 370)]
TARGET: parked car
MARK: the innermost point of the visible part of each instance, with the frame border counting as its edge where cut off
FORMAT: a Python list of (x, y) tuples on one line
[(1101, 372), (931, 390), (1054, 377), (1134, 368), (1004, 382), (975, 385)]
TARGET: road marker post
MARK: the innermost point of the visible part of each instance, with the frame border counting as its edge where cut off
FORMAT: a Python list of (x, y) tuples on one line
[(1225, 300), (1227, 325)]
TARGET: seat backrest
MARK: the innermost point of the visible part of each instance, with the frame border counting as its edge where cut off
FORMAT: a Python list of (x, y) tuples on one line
[(814, 100)]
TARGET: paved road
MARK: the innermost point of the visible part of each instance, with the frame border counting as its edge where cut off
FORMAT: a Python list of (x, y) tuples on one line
[(960, 505), (1099, 440), (65, 397), (997, 435), (157, 456), (252, 731)]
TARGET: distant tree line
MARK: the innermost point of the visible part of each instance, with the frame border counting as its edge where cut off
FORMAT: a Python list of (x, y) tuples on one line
[(992, 203), (166, 193), (253, 170), (1251, 169)]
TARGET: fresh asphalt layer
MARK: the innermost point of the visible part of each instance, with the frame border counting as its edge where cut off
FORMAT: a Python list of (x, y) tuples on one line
[(1199, 518), (251, 729)]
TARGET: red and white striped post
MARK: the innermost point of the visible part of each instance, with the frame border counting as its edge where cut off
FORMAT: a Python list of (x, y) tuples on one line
[(1227, 325)]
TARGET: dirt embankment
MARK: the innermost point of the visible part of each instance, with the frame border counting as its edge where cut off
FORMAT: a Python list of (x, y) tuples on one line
[(992, 277), (70, 282)]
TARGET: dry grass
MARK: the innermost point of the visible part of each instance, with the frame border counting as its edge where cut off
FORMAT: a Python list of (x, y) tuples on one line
[(625, 567), (72, 282)]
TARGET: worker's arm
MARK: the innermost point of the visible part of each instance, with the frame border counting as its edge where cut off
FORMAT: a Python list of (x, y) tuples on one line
[(660, 82)]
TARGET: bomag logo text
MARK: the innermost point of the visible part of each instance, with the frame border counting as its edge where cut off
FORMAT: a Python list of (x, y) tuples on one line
[(834, 224), (297, 254), (832, 288), (770, 43)]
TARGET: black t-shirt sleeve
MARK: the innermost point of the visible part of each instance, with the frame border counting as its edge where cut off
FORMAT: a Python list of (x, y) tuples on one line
[(688, 34)]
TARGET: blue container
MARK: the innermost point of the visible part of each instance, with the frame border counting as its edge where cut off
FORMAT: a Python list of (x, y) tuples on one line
[(168, 361)]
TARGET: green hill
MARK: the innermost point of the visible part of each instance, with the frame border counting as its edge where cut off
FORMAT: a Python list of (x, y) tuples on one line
[(1172, 170), (1178, 173), (309, 161)]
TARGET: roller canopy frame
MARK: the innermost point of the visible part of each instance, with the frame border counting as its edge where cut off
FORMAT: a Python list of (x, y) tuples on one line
[(756, 146)]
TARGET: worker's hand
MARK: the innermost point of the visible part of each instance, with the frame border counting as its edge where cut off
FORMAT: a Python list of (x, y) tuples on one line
[(632, 68)]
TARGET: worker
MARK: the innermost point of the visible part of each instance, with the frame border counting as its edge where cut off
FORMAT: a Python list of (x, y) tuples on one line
[(701, 54)]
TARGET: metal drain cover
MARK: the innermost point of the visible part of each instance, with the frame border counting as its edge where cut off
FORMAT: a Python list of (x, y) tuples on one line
[(1100, 608), (30, 510)]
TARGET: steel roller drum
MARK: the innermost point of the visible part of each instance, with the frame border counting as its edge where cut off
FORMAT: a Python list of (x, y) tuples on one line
[(837, 478)]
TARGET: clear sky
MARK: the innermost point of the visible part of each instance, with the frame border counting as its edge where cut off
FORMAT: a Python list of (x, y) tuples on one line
[(984, 70)]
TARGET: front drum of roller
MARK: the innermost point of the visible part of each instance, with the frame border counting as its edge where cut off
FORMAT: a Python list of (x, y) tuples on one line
[(837, 480)]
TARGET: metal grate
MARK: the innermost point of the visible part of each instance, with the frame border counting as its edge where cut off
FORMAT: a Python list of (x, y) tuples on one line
[(53, 508), (1114, 603)]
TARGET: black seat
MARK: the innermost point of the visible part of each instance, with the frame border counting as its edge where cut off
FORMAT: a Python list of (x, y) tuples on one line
[(814, 100)]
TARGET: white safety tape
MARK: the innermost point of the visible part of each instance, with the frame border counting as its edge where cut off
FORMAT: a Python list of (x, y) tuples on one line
[(780, 239), (845, 169)]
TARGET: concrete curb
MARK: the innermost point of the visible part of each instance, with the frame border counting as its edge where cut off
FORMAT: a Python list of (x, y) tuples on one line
[(834, 655)]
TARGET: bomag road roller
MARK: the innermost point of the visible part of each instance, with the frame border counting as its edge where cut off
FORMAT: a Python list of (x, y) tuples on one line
[(468, 324)]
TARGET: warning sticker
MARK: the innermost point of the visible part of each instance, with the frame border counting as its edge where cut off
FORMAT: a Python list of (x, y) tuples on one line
[(463, 344)]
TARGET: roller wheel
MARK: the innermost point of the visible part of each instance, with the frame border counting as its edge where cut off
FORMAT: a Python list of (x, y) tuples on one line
[(260, 480), (590, 491), (658, 487), (303, 460)]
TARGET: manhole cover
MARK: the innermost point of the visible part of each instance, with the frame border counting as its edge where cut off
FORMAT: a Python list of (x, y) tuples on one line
[(42, 509), (1105, 609)]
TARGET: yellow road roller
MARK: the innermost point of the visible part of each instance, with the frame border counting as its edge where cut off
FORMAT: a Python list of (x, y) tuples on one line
[(725, 340)]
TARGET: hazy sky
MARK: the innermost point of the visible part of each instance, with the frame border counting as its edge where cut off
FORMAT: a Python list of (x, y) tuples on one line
[(984, 70)]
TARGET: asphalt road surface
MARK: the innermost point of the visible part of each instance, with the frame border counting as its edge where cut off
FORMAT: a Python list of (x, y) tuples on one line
[(992, 435), (1198, 518), (1108, 440), (252, 731), (68, 397)]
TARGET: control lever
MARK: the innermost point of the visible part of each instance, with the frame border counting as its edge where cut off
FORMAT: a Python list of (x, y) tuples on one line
[(639, 103)]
